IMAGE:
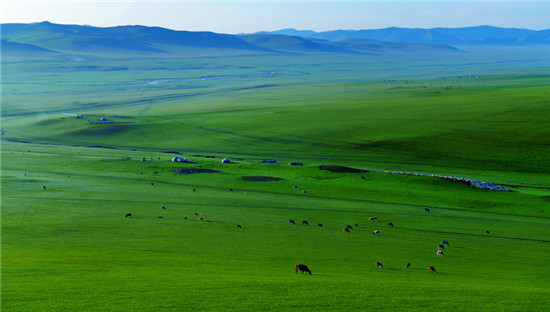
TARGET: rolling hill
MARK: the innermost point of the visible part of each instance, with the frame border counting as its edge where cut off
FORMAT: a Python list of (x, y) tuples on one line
[(142, 41)]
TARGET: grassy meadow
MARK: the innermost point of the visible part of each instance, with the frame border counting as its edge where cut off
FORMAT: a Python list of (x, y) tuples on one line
[(476, 115)]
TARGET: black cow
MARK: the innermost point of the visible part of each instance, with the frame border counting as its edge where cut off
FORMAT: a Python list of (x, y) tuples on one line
[(128, 215), (239, 226), (390, 224), (43, 187), (291, 221), (346, 229), (408, 265), (303, 268), (162, 207), (426, 210), (320, 225), (431, 269), (305, 222), (379, 264)]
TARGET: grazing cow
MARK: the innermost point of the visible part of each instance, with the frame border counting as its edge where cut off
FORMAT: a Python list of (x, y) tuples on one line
[(408, 265), (291, 221), (445, 242), (390, 224), (441, 246), (440, 253), (196, 214), (160, 217), (371, 219), (153, 184), (295, 186), (426, 209), (487, 232), (379, 264), (375, 232), (304, 191), (43, 187), (346, 229), (349, 227), (200, 219), (194, 190), (128, 215), (305, 222), (239, 226), (185, 218), (375, 218), (303, 268), (320, 225), (231, 190), (202, 213), (431, 269), (356, 225), (162, 207), (363, 178)]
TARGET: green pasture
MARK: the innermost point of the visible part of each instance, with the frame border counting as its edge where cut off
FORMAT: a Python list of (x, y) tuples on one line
[(69, 247)]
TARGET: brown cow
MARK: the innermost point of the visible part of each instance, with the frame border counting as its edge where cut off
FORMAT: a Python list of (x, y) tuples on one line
[(302, 267), (431, 269)]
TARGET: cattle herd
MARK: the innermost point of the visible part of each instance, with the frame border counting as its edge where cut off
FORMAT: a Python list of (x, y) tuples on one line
[(302, 267), (378, 264)]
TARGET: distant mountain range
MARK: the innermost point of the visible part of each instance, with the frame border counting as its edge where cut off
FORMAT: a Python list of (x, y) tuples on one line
[(51, 40), (480, 35)]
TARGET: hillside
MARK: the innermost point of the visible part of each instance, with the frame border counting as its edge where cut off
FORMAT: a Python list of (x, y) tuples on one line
[(154, 42), (126, 40)]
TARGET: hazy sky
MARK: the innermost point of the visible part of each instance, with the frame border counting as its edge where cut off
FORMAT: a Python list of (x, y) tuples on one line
[(252, 16)]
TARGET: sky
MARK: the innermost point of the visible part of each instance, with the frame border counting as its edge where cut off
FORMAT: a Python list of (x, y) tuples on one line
[(251, 16)]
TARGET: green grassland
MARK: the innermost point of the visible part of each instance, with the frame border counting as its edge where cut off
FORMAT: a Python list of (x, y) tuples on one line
[(476, 115)]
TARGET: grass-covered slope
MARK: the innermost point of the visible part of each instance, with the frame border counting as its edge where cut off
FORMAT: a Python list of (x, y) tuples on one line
[(69, 246)]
